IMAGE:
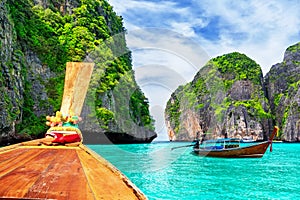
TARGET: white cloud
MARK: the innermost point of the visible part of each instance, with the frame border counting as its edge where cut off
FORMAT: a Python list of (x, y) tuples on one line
[(183, 28), (146, 6), (168, 48), (269, 28)]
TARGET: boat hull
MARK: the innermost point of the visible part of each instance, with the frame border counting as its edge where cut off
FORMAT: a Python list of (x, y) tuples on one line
[(252, 151), (31, 170)]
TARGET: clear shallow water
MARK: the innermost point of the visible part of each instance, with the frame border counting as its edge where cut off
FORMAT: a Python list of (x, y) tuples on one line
[(162, 173)]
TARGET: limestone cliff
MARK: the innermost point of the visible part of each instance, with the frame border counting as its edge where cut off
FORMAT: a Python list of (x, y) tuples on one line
[(283, 86), (37, 38), (11, 83), (229, 99), (225, 99)]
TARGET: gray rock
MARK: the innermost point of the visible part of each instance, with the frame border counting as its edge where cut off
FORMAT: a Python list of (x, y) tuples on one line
[(283, 86)]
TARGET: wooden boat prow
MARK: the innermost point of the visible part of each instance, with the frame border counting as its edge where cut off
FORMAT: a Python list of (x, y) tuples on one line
[(251, 151), (77, 79), (59, 166), (31, 170)]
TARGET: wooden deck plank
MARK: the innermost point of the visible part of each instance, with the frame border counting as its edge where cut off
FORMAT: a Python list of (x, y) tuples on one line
[(20, 177), (11, 155), (64, 177), (11, 162), (60, 172), (106, 182)]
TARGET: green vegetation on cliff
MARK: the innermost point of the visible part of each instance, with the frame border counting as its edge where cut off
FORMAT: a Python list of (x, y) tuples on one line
[(58, 33), (227, 85), (282, 83), (173, 112), (236, 66), (294, 48)]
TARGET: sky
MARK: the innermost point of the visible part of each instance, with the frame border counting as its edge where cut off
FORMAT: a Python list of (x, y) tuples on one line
[(171, 40)]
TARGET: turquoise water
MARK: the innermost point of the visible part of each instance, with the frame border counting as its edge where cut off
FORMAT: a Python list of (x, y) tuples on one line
[(162, 173)]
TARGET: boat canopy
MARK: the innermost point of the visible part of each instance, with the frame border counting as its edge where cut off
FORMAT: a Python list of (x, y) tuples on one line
[(223, 140)]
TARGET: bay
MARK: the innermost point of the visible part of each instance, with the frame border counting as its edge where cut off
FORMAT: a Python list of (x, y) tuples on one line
[(162, 173)]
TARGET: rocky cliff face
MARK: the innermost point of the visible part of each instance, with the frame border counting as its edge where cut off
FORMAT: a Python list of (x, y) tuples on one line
[(8, 81), (283, 86), (225, 99), (122, 123), (37, 38), (22, 75)]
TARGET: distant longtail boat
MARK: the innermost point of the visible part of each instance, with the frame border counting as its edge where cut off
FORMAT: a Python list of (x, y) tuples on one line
[(59, 166), (230, 148)]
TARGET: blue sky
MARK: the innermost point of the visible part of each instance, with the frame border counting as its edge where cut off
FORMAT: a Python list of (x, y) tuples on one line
[(171, 40)]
